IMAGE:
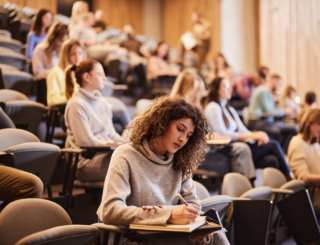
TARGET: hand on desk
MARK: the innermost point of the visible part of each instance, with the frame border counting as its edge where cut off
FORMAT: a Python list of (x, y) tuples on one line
[(183, 215)]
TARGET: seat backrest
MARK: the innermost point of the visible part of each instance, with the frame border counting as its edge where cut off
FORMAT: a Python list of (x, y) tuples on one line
[(273, 178), (27, 216), (15, 136), (5, 33), (295, 185), (63, 235), (9, 95), (201, 191), (13, 59), (6, 68), (235, 184), (26, 114), (19, 81), (5, 121)]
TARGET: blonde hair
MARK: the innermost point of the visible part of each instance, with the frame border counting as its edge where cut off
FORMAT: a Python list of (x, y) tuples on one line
[(152, 124), (56, 31), (77, 8), (309, 116), (184, 86), (84, 66), (67, 46), (287, 93)]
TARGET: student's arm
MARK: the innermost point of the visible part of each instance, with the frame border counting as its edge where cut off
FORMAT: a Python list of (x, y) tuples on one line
[(113, 209), (54, 93), (79, 122), (213, 113), (241, 127), (298, 161)]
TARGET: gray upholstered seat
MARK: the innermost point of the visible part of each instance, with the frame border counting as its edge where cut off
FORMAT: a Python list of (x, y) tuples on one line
[(220, 202), (5, 121), (39, 221), (30, 154), (12, 44), (62, 235), (5, 68), (12, 58), (120, 114), (108, 89), (5, 33), (26, 114), (19, 81), (9, 95)]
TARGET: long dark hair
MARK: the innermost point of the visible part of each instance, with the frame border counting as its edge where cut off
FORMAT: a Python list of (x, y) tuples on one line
[(37, 24), (213, 95), (155, 52)]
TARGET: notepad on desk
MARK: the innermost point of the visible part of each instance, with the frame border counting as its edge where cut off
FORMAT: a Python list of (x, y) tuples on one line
[(200, 221)]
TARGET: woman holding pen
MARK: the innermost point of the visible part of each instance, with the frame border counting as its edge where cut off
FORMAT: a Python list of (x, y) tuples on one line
[(166, 146)]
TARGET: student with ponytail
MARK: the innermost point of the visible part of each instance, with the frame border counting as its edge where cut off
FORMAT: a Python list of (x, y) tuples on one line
[(71, 53), (88, 118)]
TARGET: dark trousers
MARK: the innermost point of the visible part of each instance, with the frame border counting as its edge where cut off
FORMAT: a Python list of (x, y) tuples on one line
[(269, 155), (278, 131)]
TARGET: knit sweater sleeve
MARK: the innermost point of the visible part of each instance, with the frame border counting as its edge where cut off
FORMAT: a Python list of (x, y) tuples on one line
[(79, 123), (213, 113), (267, 104), (298, 159), (113, 209)]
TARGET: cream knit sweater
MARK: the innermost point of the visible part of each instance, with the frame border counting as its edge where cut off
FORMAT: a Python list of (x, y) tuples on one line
[(88, 120), (137, 177)]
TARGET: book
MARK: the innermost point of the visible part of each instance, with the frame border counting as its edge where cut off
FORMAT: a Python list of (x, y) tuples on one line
[(221, 141), (200, 221)]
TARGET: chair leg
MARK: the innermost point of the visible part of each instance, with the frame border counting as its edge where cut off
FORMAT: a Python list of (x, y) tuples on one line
[(49, 190)]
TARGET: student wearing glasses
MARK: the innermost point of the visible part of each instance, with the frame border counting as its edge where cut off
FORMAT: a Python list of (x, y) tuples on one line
[(88, 118), (225, 120)]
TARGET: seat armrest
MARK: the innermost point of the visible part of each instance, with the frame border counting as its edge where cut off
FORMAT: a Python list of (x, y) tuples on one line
[(7, 159), (70, 150), (282, 191), (120, 87), (239, 198), (118, 229)]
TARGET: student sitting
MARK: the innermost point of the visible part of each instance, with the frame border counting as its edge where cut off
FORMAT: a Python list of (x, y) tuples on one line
[(167, 144), (262, 102), (46, 54), (38, 31), (310, 102), (158, 64), (220, 67), (71, 54), (88, 118), (304, 152), (79, 9), (225, 120), (221, 158), (288, 100)]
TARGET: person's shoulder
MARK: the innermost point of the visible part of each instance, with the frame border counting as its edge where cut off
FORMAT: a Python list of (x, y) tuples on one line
[(213, 106), (39, 48), (126, 151), (297, 143)]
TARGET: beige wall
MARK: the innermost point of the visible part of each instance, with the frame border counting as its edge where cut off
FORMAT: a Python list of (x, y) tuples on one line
[(290, 42), (239, 34), (36, 4), (151, 19)]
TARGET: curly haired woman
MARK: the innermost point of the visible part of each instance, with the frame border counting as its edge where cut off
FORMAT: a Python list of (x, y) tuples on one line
[(166, 145)]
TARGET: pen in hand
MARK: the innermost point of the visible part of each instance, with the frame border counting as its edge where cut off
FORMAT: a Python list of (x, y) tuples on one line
[(181, 199)]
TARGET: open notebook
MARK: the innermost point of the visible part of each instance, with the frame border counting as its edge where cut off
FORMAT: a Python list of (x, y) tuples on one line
[(221, 141), (201, 220)]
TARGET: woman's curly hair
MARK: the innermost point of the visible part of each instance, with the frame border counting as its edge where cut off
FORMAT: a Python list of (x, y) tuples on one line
[(152, 123)]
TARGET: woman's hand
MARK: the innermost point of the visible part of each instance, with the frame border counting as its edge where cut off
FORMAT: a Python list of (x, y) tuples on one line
[(183, 215), (261, 137), (213, 136)]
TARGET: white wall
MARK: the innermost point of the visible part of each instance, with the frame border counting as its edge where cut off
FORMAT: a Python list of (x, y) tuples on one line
[(152, 14), (238, 34)]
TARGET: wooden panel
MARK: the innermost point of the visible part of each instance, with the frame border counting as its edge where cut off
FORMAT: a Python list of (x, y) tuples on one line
[(36, 4), (121, 12), (177, 20), (289, 37)]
